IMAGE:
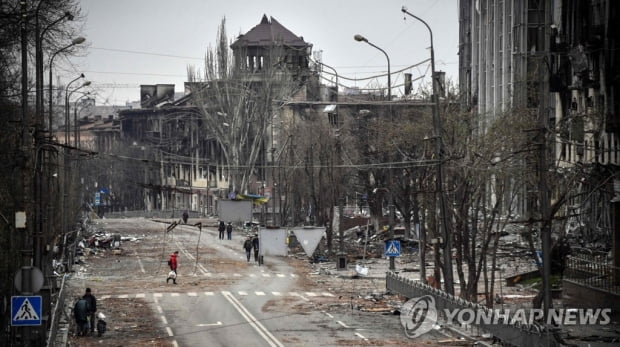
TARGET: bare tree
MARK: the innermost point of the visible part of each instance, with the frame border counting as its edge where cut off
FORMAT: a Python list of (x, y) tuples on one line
[(238, 105)]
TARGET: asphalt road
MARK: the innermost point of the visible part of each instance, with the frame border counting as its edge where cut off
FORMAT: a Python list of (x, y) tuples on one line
[(221, 299)]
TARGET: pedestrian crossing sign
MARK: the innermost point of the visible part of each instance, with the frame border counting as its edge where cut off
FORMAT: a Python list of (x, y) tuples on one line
[(392, 248), (25, 310)]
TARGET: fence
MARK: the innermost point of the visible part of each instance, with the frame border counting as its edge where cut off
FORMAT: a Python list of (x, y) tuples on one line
[(509, 334), (56, 313), (592, 271)]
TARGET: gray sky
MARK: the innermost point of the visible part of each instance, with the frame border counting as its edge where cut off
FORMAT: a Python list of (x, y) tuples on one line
[(135, 42)]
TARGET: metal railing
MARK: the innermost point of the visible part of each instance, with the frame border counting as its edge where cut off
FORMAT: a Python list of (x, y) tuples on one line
[(512, 334), (592, 271), (56, 314)]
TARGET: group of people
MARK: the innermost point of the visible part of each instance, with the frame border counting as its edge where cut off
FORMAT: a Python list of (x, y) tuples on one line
[(84, 313), (228, 228), (249, 244)]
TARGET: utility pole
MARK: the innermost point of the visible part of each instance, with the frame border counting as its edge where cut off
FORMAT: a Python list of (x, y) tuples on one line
[(443, 220), (543, 168)]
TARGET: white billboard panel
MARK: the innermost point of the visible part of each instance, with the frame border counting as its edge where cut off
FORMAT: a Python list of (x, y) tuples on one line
[(235, 211), (272, 242)]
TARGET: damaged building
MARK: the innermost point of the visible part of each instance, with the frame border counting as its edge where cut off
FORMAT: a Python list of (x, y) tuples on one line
[(557, 59)]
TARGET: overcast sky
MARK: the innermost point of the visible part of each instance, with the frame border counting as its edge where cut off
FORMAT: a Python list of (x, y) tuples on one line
[(135, 42)]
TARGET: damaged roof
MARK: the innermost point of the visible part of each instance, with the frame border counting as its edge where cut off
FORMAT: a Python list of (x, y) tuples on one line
[(267, 32)]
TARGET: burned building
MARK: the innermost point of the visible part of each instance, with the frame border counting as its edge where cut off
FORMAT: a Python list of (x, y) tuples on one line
[(557, 60)]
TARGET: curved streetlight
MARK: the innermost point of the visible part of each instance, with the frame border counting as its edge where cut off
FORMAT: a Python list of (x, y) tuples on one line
[(76, 127), (76, 41), (39, 34), (361, 38), (67, 108), (447, 258)]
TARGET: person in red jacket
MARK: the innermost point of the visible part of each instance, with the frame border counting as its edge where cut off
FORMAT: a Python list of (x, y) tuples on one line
[(172, 262)]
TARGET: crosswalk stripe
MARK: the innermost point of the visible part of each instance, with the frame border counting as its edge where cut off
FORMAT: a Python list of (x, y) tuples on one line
[(281, 275), (293, 275), (266, 275), (242, 293)]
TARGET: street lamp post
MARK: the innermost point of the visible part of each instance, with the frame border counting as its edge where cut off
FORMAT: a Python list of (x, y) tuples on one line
[(76, 41), (361, 38), (449, 277), (68, 108), (76, 127), (39, 34)]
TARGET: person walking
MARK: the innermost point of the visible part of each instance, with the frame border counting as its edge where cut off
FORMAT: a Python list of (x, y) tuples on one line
[(80, 312), (229, 229), (221, 228), (172, 262), (255, 246), (247, 245), (185, 216), (92, 308)]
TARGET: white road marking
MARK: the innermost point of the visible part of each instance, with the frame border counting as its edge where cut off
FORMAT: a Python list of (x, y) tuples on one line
[(169, 331), (237, 275), (299, 295), (174, 342), (361, 336), (344, 325), (192, 294), (159, 309), (174, 294), (208, 324), (276, 293), (157, 295), (243, 293), (252, 275), (203, 269), (105, 297), (209, 293), (260, 293), (140, 295), (327, 294), (141, 266), (124, 296), (328, 314), (281, 275), (266, 275), (311, 294), (255, 323), (164, 320), (293, 275)]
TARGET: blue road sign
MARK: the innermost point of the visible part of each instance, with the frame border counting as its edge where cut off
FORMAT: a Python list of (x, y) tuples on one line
[(392, 248), (25, 310)]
